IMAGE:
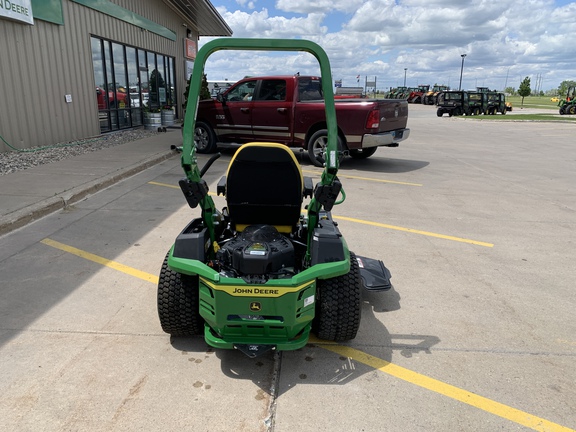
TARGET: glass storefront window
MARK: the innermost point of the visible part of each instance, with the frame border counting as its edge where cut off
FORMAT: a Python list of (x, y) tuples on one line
[(152, 81), (121, 86), (127, 80), (134, 90), (100, 81)]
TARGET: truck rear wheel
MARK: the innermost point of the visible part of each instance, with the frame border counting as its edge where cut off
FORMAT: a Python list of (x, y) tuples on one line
[(317, 147), (204, 138), (363, 153), (178, 303), (338, 307)]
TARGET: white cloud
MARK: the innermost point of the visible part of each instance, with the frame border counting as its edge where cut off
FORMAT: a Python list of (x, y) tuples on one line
[(504, 40), (260, 24), (318, 6)]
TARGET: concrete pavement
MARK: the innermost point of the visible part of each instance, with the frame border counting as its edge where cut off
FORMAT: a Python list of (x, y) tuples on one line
[(28, 195)]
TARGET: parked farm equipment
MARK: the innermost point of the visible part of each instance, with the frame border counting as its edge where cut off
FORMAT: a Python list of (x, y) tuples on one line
[(417, 94), (431, 97), (568, 105)]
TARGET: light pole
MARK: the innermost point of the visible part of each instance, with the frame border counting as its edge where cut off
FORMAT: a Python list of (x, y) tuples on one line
[(461, 70), (506, 83), (405, 69)]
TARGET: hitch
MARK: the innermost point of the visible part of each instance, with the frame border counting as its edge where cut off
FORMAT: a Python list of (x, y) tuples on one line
[(254, 351)]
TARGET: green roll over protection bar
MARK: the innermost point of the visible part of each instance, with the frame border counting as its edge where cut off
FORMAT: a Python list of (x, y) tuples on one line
[(329, 187)]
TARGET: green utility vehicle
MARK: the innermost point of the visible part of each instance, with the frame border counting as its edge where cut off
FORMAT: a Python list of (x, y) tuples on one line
[(568, 105), (261, 274), (477, 102), (497, 104), (453, 103)]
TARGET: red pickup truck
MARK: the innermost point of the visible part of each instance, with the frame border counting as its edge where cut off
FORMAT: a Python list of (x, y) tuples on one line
[(290, 110)]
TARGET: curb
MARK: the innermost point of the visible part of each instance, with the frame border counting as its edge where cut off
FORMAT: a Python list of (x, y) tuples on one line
[(59, 201)]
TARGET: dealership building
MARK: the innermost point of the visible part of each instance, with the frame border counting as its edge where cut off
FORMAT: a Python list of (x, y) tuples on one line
[(73, 69)]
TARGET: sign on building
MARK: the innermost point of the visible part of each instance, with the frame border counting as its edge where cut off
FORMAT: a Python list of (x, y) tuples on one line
[(18, 10), (190, 49)]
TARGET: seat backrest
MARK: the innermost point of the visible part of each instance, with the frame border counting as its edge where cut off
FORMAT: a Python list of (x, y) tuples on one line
[(264, 185)]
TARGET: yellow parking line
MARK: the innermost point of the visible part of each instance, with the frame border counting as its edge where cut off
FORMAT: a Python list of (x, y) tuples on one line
[(414, 231), (164, 184), (173, 187), (318, 173), (103, 261), (480, 402), (381, 225)]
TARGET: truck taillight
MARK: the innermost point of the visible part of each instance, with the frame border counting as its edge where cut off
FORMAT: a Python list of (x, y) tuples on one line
[(373, 120)]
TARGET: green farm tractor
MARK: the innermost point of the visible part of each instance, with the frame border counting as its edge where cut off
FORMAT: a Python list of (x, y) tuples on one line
[(261, 274), (568, 105)]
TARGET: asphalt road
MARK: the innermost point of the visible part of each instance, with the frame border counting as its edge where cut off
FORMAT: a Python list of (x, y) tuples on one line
[(476, 222)]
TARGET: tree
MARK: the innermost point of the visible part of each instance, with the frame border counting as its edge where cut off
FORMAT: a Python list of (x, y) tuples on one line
[(510, 90), (524, 89), (204, 91), (563, 88)]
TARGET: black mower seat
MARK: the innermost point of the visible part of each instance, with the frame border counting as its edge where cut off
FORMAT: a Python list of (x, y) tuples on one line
[(264, 185)]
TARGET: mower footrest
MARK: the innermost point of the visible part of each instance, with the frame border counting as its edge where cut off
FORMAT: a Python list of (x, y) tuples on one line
[(375, 275)]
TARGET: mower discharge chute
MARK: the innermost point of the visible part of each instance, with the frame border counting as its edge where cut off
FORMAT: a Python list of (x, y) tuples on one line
[(260, 275)]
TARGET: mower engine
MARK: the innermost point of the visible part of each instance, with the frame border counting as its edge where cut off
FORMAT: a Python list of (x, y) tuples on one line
[(257, 253)]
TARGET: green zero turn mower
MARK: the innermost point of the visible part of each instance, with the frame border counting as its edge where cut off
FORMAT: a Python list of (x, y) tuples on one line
[(261, 275)]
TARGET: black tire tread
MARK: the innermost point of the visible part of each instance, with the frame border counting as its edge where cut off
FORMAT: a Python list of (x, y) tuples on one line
[(178, 303), (338, 308)]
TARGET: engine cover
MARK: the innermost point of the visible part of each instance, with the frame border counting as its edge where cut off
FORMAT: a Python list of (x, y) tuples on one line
[(258, 250)]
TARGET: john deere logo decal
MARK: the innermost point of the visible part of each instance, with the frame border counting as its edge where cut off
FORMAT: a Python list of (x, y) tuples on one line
[(255, 306)]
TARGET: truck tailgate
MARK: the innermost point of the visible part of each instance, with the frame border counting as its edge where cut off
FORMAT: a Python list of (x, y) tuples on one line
[(393, 114)]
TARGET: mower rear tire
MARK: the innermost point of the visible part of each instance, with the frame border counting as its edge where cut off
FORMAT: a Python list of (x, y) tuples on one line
[(178, 303), (339, 304)]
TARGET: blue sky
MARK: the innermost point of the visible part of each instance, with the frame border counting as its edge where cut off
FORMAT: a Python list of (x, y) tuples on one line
[(504, 40)]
